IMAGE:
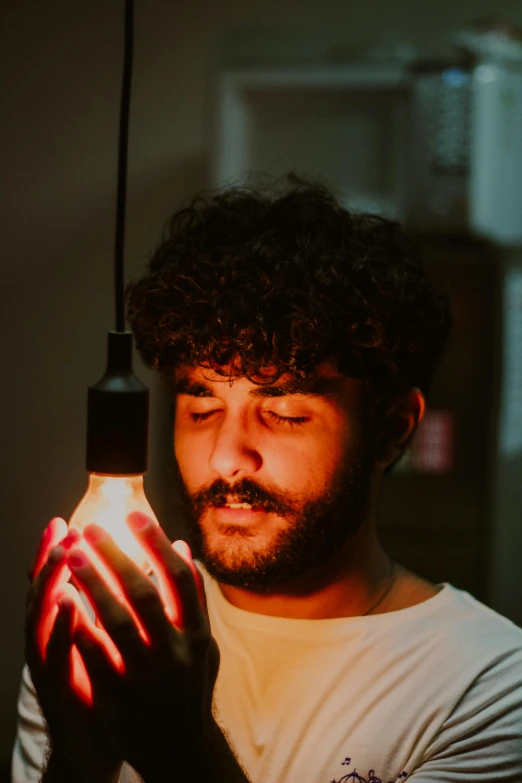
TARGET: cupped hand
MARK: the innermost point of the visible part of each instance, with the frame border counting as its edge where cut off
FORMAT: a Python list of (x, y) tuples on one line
[(157, 709), (79, 748)]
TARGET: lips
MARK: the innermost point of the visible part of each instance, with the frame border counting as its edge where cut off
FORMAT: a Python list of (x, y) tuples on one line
[(239, 516), (237, 501)]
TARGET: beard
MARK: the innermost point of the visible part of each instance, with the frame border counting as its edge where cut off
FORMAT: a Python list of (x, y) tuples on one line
[(302, 554)]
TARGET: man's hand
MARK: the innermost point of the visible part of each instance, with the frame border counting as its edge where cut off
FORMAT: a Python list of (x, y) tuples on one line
[(79, 750), (157, 712)]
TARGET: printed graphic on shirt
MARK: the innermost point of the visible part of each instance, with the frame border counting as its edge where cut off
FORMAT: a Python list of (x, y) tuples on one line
[(370, 778)]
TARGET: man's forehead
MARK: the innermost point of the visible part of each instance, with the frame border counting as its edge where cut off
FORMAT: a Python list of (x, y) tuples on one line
[(202, 381)]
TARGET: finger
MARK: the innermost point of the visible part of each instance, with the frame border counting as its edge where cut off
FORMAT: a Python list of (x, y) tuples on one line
[(64, 662), (78, 676), (183, 550), (42, 609), (138, 590), (83, 620), (45, 579), (97, 662), (58, 649), (114, 616), (81, 682), (170, 597), (82, 615), (52, 535), (173, 571)]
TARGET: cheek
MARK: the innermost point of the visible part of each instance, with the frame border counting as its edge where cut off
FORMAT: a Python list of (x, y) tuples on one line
[(302, 466), (326, 453)]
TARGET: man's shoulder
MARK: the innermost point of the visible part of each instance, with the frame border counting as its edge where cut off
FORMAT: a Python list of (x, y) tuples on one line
[(476, 635), (485, 617), (452, 631)]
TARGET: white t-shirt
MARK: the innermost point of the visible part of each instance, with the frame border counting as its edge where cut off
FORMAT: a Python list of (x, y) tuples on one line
[(427, 694)]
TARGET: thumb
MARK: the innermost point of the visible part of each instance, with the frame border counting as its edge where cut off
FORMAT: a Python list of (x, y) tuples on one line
[(183, 550), (55, 531)]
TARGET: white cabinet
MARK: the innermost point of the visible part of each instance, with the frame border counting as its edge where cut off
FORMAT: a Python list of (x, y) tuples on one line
[(346, 125)]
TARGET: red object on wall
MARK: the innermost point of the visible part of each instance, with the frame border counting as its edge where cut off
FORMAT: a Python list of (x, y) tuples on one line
[(433, 450)]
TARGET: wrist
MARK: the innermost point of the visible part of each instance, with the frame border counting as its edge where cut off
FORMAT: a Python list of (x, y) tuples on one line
[(164, 768), (60, 769), (209, 760), (221, 763)]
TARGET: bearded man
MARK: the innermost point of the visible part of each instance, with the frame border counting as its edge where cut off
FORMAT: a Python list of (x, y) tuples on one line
[(299, 342)]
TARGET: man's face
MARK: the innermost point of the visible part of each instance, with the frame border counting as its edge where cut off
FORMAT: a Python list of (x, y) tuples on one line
[(302, 460)]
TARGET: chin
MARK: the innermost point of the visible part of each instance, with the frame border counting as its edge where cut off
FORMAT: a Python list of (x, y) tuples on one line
[(240, 558), (235, 548)]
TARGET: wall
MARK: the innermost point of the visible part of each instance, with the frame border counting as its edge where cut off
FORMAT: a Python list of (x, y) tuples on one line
[(61, 66)]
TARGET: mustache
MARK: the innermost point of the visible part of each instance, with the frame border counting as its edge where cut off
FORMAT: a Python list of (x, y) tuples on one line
[(244, 491)]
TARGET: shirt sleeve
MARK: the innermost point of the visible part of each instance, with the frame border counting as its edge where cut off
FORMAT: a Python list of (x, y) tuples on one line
[(481, 741), (31, 736), (31, 742)]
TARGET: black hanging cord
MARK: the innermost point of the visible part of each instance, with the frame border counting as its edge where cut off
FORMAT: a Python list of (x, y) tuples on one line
[(119, 250), (118, 404)]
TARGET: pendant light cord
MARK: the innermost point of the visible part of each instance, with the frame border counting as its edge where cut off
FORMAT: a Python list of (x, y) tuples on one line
[(119, 250)]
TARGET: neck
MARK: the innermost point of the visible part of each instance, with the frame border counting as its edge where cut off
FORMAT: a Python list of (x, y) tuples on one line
[(347, 586)]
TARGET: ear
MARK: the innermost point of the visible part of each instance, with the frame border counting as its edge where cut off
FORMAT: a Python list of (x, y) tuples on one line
[(399, 426)]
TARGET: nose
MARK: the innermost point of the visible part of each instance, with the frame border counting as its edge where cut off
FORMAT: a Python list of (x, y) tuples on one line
[(234, 454)]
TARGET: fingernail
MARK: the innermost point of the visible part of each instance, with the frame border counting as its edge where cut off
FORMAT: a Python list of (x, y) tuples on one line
[(66, 601), (95, 533), (56, 554), (182, 548), (71, 538), (77, 560), (137, 520)]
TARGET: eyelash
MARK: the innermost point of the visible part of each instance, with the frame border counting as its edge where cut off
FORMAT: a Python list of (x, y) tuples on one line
[(289, 421)]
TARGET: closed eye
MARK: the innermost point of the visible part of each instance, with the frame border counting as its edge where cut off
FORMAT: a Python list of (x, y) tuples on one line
[(202, 416), (288, 421)]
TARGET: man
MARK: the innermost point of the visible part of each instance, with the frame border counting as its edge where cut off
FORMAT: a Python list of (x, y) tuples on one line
[(299, 341)]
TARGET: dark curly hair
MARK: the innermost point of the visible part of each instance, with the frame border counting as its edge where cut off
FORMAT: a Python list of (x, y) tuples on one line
[(284, 282)]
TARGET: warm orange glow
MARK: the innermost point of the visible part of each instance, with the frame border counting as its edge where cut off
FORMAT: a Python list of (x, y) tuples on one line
[(46, 624), (183, 550), (111, 582), (55, 532), (107, 502), (80, 681), (55, 588), (79, 677), (422, 405)]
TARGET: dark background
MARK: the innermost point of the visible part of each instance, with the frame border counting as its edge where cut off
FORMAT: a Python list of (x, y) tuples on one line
[(60, 71)]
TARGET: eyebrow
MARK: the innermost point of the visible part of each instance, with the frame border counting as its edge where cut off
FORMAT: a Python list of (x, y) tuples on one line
[(320, 388)]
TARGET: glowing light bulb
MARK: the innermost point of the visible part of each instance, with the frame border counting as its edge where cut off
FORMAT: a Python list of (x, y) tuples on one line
[(107, 502)]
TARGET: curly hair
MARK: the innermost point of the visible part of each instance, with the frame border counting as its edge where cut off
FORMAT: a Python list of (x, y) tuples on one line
[(285, 282)]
